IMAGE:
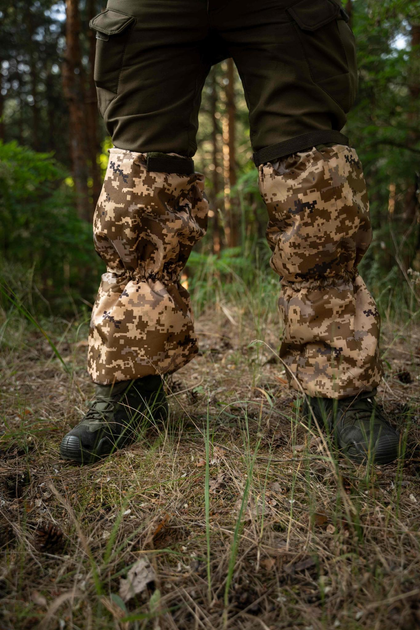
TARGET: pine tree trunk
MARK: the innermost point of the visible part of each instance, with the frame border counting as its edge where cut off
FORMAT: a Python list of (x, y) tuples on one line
[(21, 117), (33, 73), (2, 129), (75, 96), (216, 165), (411, 209), (52, 127), (413, 117), (232, 232), (92, 112)]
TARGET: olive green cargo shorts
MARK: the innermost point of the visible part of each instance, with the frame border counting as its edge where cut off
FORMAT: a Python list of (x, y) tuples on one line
[(296, 59)]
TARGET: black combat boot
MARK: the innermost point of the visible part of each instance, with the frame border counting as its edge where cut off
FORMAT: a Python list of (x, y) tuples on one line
[(114, 418), (358, 426)]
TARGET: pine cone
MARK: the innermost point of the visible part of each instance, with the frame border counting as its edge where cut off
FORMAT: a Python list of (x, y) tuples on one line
[(405, 377), (49, 538)]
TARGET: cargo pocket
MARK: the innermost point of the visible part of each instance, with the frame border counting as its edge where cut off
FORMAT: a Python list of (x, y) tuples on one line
[(329, 47), (111, 39)]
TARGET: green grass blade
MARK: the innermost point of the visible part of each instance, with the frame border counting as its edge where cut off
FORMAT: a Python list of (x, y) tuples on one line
[(33, 321)]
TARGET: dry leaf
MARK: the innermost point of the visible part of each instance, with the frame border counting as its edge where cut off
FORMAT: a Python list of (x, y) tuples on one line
[(268, 563), (161, 525), (215, 484), (320, 519), (281, 380), (138, 577), (218, 454)]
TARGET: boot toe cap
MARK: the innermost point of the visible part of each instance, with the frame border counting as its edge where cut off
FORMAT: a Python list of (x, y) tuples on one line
[(383, 450), (387, 448), (71, 448)]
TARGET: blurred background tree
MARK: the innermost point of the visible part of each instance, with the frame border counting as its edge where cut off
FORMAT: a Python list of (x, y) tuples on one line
[(53, 155)]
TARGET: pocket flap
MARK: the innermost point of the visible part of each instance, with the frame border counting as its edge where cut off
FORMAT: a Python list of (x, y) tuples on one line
[(111, 22), (312, 14)]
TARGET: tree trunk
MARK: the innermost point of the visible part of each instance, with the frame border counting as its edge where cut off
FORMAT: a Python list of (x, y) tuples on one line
[(75, 96), (51, 112), (216, 165), (21, 118), (229, 133), (33, 73), (92, 112), (411, 202), (2, 137)]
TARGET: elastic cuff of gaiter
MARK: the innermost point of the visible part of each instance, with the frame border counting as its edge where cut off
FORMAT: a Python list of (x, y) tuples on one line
[(300, 143), (165, 163)]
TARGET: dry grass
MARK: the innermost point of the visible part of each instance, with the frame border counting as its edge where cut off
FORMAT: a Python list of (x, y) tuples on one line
[(322, 543)]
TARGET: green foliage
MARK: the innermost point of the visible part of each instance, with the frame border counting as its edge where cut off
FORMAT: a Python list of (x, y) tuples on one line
[(384, 127), (43, 242)]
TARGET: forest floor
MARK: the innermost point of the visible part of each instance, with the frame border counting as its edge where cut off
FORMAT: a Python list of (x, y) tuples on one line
[(234, 514)]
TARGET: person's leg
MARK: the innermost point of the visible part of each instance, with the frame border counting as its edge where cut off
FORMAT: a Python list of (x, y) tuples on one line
[(152, 210), (145, 225), (319, 230), (150, 68), (297, 64)]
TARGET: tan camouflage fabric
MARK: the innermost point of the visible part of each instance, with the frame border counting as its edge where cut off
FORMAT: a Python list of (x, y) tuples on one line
[(319, 230), (145, 225)]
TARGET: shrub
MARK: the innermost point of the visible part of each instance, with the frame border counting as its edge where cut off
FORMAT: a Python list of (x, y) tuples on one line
[(47, 251)]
